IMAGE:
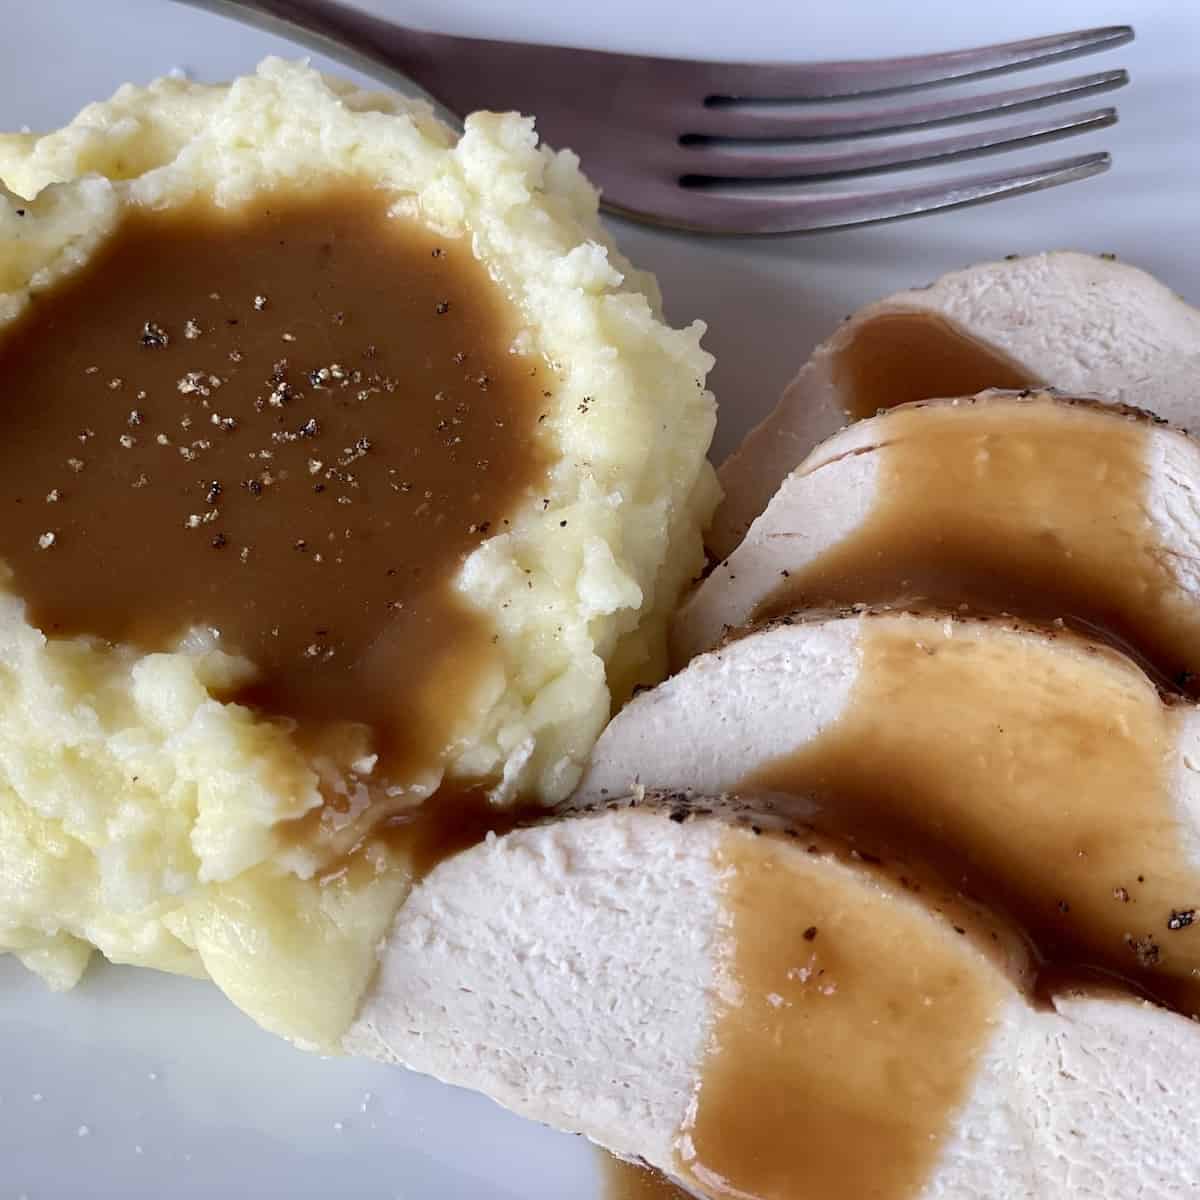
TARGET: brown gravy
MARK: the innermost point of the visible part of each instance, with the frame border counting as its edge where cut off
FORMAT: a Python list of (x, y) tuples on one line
[(1031, 507), (959, 748), (628, 1181), (898, 357), (290, 424), (844, 1043)]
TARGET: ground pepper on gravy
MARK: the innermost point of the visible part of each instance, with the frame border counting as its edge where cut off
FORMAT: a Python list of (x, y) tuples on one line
[(289, 423)]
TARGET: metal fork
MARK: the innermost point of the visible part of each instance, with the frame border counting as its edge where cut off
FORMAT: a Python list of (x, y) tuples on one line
[(719, 147)]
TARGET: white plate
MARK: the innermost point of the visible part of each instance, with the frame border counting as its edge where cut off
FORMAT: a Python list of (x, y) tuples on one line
[(139, 1085)]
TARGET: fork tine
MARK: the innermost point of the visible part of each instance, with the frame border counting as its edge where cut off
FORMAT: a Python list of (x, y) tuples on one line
[(784, 122), (756, 211), (823, 81), (747, 160)]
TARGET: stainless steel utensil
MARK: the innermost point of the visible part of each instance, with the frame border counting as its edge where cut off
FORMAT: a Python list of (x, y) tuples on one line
[(718, 147)]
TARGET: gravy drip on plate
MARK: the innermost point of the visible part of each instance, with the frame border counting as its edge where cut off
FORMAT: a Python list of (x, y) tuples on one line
[(289, 424), (629, 1181), (848, 1031), (1019, 506), (898, 357)]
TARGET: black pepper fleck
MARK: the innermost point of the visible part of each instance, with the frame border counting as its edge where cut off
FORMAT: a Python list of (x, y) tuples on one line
[(1145, 949), (154, 335)]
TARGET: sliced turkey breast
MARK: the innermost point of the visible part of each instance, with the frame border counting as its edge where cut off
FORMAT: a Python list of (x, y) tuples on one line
[(1042, 770), (762, 1013), (1038, 505), (1072, 321)]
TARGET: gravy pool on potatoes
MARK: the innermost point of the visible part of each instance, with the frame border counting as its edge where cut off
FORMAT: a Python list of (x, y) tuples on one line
[(300, 464)]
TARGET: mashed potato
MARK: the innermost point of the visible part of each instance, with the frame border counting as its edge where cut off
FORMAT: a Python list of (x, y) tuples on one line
[(141, 815)]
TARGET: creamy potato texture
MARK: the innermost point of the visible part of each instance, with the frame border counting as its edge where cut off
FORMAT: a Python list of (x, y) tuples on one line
[(142, 815)]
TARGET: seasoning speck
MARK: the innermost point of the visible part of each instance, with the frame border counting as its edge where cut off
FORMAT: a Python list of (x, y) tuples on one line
[(47, 539), (260, 302), (1181, 918), (191, 329), (1145, 950), (53, 496), (154, 335)]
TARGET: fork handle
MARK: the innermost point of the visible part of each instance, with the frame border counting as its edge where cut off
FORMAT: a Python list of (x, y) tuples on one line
[(333, 28)]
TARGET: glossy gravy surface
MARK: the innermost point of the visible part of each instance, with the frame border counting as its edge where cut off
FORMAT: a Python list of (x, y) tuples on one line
[(1031, 507), (898, 357), (848, 1032), (1038, 781), (289, 424)]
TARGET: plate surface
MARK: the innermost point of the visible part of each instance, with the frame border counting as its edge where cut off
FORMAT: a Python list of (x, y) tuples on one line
[(140, 1085)]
